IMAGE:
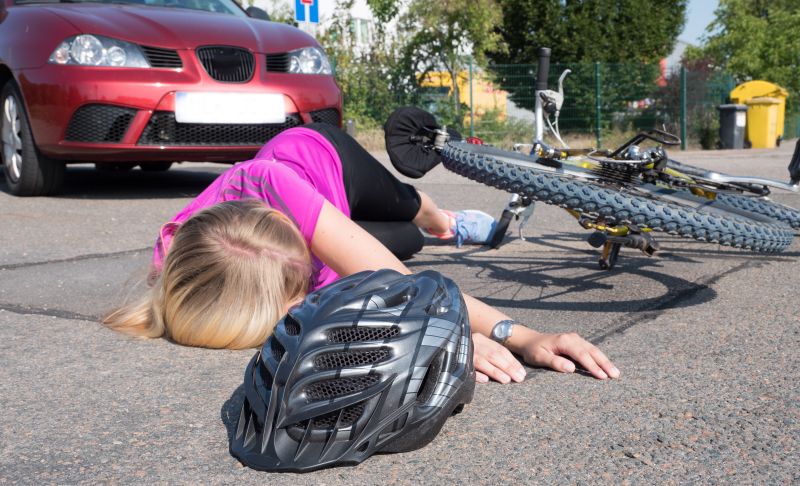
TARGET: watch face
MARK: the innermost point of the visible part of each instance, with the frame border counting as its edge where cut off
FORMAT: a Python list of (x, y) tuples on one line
[(502, 331)]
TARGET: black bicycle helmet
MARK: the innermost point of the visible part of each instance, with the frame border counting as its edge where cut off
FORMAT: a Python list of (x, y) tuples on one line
[(375, 362)]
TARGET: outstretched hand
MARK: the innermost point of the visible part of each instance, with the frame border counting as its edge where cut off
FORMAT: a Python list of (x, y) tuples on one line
[(492, 360)]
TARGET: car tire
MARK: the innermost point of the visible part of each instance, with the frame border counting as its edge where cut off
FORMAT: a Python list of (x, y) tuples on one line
[(27, 171), (155, 166)]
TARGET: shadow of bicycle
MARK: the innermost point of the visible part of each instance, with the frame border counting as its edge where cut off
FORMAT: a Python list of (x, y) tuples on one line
[(557, 272)]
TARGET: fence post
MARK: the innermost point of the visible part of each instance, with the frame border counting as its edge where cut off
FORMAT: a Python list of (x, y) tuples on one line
[(471, 106), (683, 108), (597, 115)]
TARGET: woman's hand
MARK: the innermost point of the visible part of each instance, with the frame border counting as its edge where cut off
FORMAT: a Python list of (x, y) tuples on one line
[(493, 360), (552, 350)]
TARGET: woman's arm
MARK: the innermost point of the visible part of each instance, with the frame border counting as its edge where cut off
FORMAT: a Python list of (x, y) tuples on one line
[(347, 249)]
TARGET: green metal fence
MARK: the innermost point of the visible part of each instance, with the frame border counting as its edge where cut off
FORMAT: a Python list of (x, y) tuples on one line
[(603, 102)]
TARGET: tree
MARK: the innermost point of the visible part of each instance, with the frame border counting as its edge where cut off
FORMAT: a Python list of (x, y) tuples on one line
[(366, 74), (442, 35), (430, 36), (580, 33), (755, 39), (613, 31)]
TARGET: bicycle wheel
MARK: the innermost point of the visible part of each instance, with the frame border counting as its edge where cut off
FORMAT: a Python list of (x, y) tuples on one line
[(642, 206), (758, 205), (751, 203)]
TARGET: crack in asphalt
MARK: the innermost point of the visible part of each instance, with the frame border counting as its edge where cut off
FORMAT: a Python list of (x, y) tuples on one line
[(41, 311), (59, 313), (671, 300), (90, 256)]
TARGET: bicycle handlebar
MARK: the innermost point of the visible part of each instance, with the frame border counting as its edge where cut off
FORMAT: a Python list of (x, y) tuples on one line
[(543, 53)]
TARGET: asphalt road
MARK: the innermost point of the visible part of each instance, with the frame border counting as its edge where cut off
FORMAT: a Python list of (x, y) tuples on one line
[(706, 339)]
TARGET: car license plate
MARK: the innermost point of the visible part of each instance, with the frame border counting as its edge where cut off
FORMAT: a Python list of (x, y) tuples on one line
[(233, 108)]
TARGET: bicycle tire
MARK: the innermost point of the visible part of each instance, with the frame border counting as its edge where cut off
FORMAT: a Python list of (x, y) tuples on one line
[(709, 222), (771, 209), (752, 203)]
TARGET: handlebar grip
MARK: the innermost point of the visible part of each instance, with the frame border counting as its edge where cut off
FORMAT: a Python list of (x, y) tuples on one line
[(543, 53)]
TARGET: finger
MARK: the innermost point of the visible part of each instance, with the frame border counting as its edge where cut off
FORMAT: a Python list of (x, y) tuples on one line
[(481, 378), (503, 359), (559, 363), (605, 363), (499, 357), (484, 366), (585, 359)]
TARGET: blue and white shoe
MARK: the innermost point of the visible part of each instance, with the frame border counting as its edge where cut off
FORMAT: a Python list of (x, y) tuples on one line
[(473, 226)]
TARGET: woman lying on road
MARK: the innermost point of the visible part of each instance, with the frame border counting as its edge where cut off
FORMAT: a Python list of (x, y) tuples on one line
[(269, 230)]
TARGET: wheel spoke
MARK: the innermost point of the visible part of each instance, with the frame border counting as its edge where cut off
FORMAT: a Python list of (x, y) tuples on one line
[(11, 138)]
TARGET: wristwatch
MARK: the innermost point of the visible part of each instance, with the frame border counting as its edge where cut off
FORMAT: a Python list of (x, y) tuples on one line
[(502, 330)]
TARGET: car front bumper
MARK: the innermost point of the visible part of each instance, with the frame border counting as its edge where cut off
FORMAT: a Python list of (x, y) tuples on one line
[(93, 114)]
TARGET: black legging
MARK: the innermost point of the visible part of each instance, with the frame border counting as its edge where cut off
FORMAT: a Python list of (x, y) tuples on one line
[(379, 202)]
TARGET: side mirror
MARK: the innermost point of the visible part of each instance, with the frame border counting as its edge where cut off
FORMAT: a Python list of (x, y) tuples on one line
[(257, 13)]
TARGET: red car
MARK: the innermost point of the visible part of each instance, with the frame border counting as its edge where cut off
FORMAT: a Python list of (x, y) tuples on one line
[(149, 82)]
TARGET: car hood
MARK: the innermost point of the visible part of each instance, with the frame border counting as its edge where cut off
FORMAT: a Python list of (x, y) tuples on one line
[(179, 28)]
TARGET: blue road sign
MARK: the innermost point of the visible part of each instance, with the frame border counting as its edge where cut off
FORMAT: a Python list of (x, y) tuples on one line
[(306, 11)]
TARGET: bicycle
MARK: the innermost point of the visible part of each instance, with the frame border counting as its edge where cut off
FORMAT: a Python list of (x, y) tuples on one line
[(623, 195)]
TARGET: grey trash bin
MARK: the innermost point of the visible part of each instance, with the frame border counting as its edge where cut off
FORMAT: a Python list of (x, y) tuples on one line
[(732, 121)]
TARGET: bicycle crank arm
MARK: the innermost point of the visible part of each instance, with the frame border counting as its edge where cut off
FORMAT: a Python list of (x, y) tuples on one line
[(612, 244)]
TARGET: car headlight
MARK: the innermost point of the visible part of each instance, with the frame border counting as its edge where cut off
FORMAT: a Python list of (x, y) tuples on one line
[(309, 60), (97, 50)]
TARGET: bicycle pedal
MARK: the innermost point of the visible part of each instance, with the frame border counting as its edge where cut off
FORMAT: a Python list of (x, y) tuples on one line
[(597, 239)]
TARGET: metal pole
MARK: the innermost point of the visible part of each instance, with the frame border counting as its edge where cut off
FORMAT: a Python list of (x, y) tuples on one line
[(471, 105), (597, 114), (683, 108)]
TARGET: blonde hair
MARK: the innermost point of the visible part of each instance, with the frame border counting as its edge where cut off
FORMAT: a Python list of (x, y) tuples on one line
[(228, 276)]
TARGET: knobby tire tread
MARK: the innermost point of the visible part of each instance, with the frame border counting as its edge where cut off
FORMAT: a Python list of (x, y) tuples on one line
[(770, 209), (615, 206)]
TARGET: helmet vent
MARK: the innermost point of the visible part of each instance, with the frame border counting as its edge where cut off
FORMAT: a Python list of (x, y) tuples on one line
[(266, 377), (327, 389), (431, 378), (277, 349), (291, 326), (349, 416), (357, 334), (348, 359)]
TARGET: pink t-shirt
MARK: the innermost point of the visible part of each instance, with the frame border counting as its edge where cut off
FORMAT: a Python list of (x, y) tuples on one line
[(295, 173)]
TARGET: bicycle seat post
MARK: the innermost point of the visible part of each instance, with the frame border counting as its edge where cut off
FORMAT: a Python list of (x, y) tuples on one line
[(541, 85)]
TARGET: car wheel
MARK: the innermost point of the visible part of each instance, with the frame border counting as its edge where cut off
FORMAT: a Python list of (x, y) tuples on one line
[(28, 172), (155, 166)]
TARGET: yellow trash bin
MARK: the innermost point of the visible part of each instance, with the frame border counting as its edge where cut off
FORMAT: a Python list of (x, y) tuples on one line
[(762, 122), (756, 89)]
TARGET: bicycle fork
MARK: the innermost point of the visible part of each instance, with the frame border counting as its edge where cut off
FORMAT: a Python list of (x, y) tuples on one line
[(518, 208)]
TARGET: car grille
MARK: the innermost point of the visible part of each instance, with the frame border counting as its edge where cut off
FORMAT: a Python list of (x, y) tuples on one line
[(162, 58), (328, 115), (227, 64), (162, 129), (278, 63), (99, 123)]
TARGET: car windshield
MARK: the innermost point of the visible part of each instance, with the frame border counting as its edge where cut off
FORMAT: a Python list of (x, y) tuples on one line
[(218, 6)]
